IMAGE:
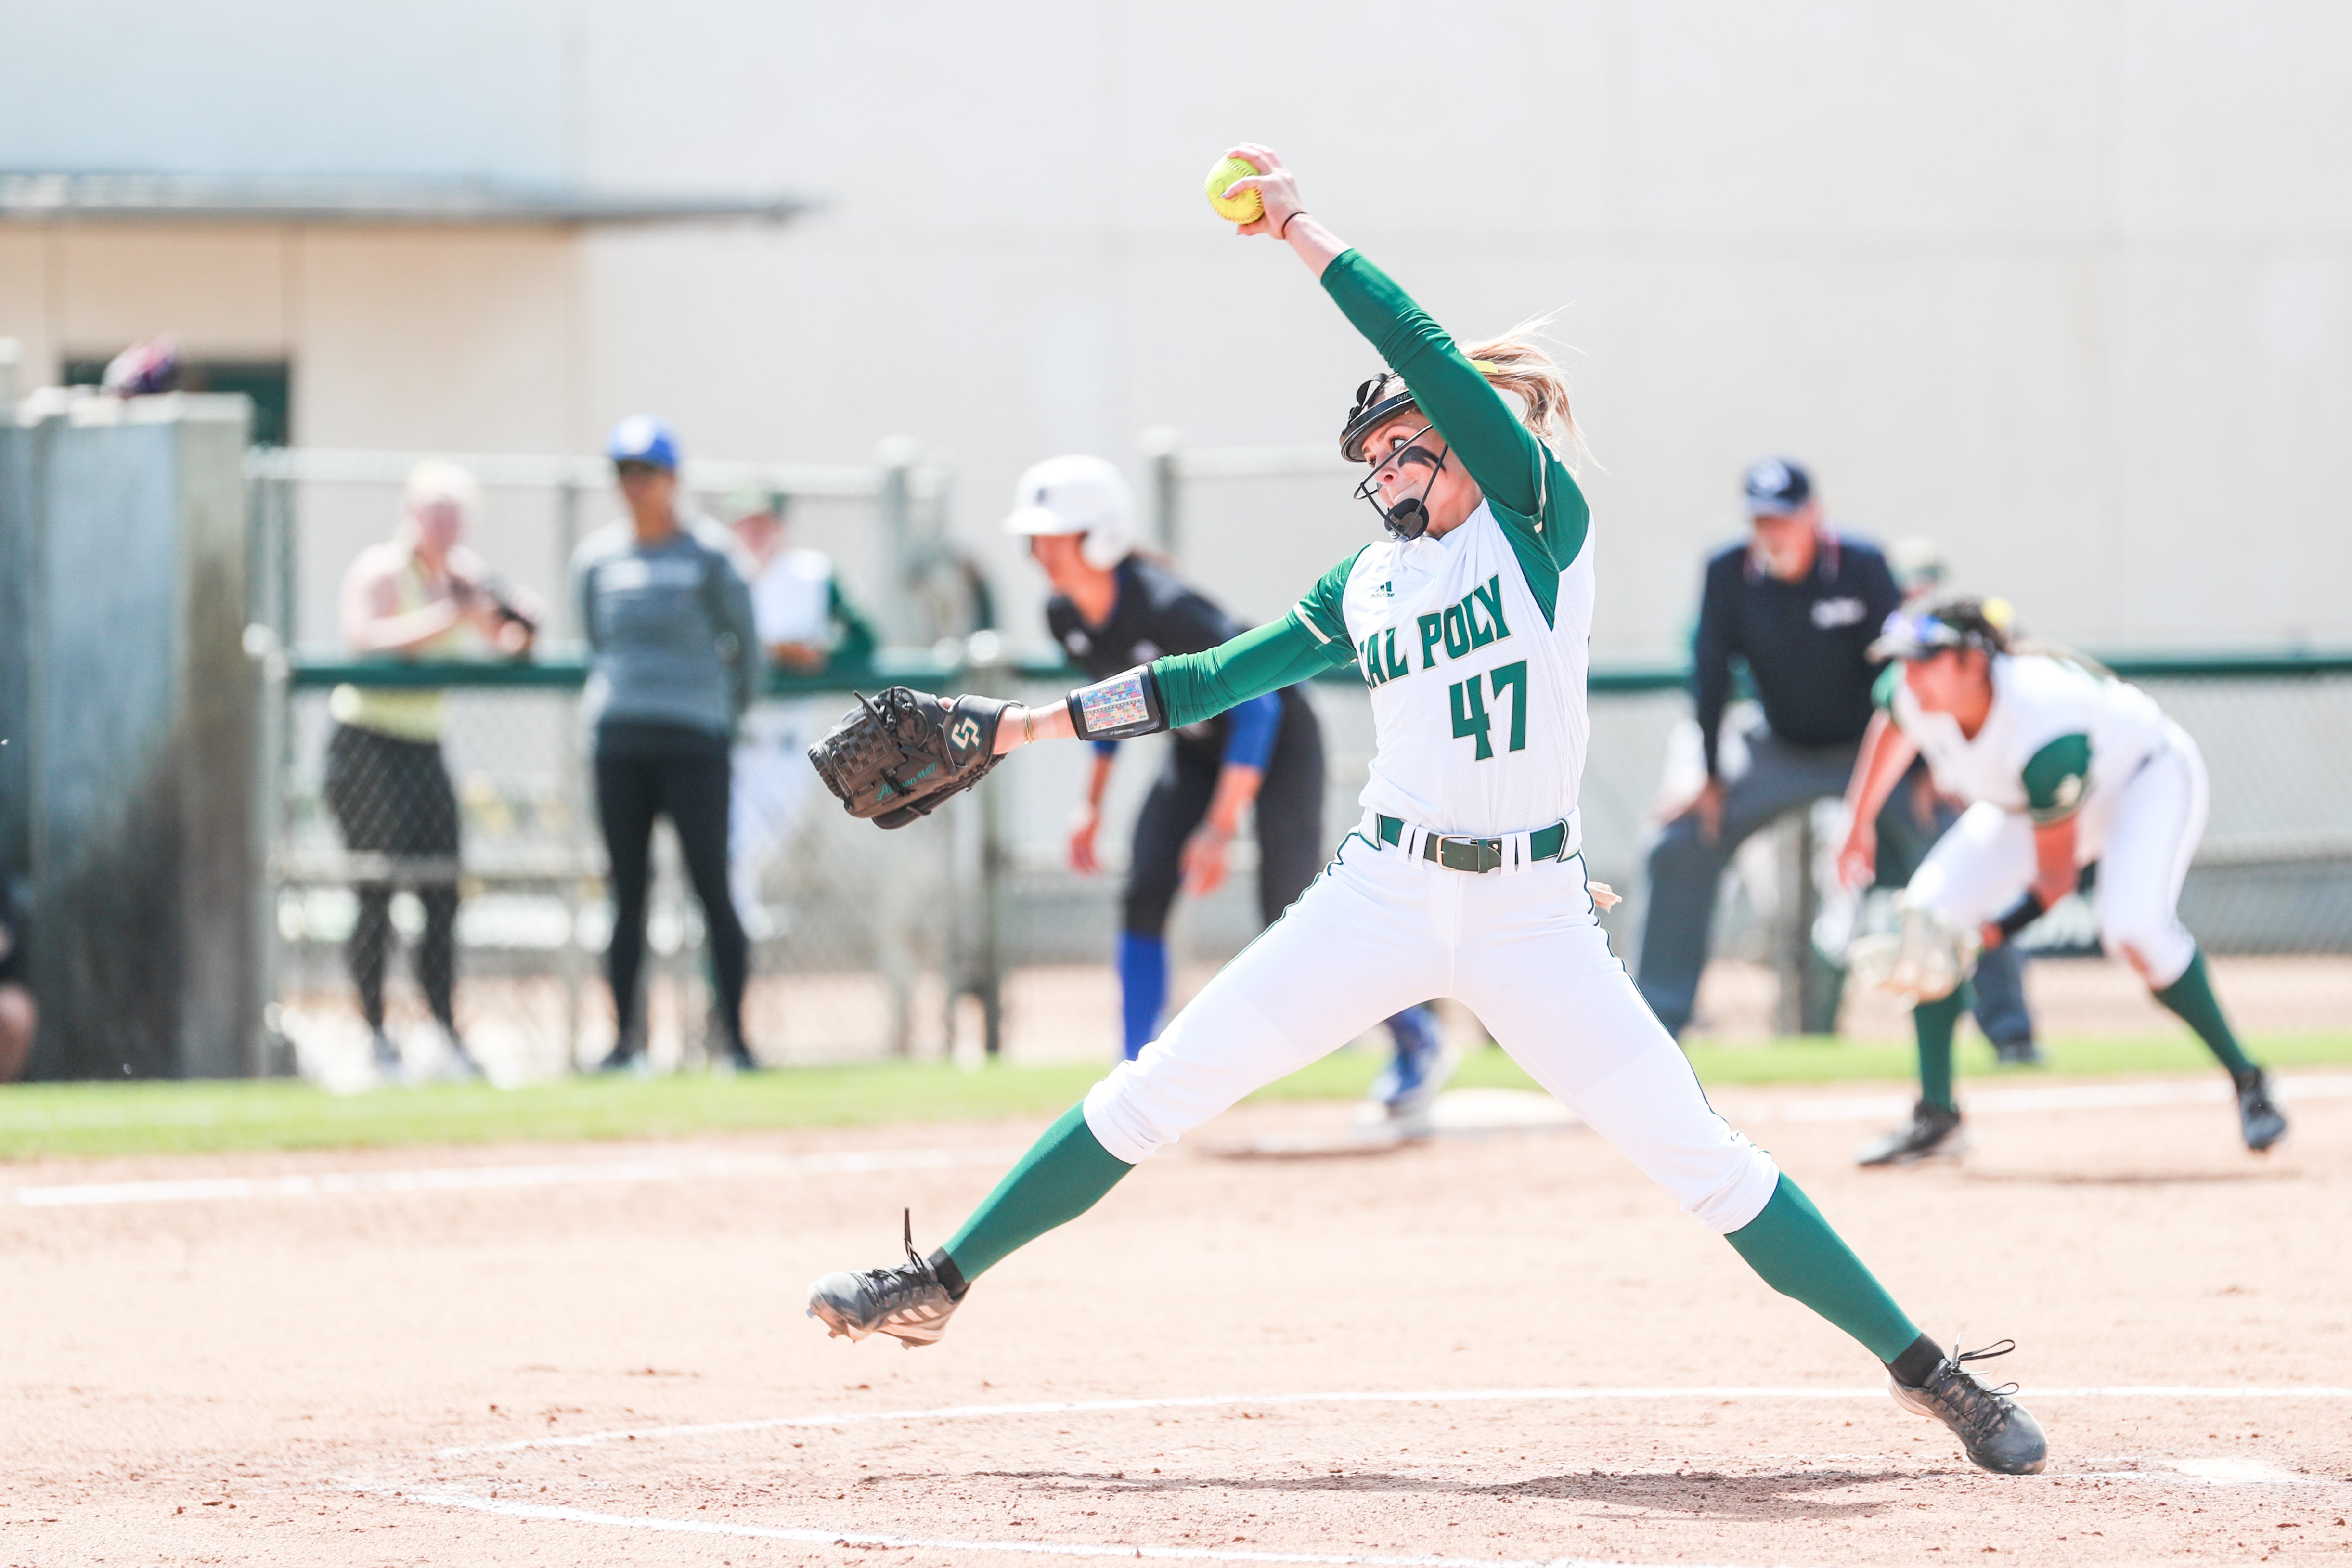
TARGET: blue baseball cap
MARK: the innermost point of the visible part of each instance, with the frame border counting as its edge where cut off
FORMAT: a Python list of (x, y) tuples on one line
[(643, 438), (1776, 487)]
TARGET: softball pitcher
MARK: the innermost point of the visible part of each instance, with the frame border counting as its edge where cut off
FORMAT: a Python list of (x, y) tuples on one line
[(2067, 769), (1465, 878)]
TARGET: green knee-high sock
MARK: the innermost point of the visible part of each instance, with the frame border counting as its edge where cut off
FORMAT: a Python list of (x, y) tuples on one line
[(1936, 1021), (2192, 997), (1061, 1177), (1797, 1253)]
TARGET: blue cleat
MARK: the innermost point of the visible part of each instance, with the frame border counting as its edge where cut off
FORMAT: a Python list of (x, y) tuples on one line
[(1423, 1064)]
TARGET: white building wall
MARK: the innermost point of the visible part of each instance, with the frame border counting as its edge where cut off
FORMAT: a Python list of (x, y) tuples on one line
[(2066, 284)]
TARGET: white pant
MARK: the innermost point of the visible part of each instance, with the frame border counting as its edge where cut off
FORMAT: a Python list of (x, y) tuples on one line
[(772, 785), (1380, 931), (2143, 841)]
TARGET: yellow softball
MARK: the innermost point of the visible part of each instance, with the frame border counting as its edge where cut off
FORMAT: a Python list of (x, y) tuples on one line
[(1244, 208)]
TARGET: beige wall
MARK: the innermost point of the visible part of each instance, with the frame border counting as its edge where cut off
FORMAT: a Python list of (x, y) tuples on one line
[(2067, 284)]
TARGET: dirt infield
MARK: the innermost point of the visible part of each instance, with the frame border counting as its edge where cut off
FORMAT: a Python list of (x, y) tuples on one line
[(1476, 1349)]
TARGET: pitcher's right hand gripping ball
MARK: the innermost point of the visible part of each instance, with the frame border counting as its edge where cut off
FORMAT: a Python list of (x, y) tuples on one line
[(898, 756)]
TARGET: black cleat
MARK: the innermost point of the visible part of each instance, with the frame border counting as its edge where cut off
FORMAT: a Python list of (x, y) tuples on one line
[(908, 1303), (2027, 1053), (1934, 1132), (1998, 1433), (2259, 1118)]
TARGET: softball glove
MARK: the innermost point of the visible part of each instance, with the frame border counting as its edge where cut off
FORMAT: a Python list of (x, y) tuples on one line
[(896, 757), (1926, 961)]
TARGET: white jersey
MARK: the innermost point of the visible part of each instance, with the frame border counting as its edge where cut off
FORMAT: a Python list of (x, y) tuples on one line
[(791, 599), (2058, 739), (1479, 701)]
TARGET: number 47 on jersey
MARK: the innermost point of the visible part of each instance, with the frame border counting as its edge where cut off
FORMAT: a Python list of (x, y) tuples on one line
[(1469, 700)]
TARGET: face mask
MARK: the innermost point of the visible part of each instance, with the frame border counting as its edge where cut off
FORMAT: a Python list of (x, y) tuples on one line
[(1409, 519)]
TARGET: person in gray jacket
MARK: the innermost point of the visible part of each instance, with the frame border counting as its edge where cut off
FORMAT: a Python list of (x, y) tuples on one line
[(676, 660)]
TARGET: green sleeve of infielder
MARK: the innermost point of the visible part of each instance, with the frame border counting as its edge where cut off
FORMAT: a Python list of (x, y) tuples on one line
[(1198, 686), (2056, 777), (1532, 493), (1882, 690)]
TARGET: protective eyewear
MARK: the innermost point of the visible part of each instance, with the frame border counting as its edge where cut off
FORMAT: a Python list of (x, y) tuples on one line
[(635, 469)]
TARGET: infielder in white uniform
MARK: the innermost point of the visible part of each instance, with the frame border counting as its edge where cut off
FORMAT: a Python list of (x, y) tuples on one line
[(1463, 879), (2067, 769)]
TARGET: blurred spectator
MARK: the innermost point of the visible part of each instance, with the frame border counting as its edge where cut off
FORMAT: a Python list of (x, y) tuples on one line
[(804, 621), (804, 624), (18, 1016), (676, 662), (420, 596), (1800, 604)]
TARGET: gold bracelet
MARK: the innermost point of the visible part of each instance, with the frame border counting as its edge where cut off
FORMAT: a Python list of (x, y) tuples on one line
[(1028, 725)]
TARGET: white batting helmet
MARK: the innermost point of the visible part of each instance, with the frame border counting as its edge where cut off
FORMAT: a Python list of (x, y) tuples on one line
[(1076, 494)]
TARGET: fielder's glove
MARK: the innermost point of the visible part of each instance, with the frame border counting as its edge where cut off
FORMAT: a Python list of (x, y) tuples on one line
[(898, 756), (1925, 962)]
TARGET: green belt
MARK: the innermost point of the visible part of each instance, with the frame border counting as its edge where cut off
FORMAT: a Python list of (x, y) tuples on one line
[(1457, 854)]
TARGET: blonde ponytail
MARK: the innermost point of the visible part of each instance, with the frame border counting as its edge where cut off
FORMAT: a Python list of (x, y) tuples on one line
[(1517, 364)]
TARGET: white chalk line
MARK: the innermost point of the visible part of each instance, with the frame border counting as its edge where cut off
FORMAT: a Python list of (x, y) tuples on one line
[(486, 1178), (451, 1499), (1218, 1401)]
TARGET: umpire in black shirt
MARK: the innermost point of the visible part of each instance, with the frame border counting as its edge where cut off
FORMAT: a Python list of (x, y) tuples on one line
[(1800, 604)]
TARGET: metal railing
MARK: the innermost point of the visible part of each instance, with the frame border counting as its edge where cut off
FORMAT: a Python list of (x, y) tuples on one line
[(944, 936), (312, 508), (870, 943)]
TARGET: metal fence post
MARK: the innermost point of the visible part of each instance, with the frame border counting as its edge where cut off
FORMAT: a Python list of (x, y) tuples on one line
[(572, 967), (269, 1053), (987, 670), (894, 502), (1166, 486), (1792, 839), (1810, 988), (288, 560)]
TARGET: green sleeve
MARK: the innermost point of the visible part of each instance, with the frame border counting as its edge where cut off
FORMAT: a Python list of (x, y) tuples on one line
[(1197, 686), (855, 643), (2056, 777), (1882, 690), (1321, 611), (1532, 493)]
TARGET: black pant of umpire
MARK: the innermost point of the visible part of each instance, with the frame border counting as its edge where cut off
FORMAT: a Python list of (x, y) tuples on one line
[(1781, 777)]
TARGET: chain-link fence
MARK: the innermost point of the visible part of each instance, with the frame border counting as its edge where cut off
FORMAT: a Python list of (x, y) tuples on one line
[(440, 850), (470, 871), (479, 857), (2273, 878), (867, 945), (883, 523)]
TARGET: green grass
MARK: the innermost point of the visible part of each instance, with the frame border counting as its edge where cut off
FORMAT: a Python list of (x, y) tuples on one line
[(105, 1119)]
